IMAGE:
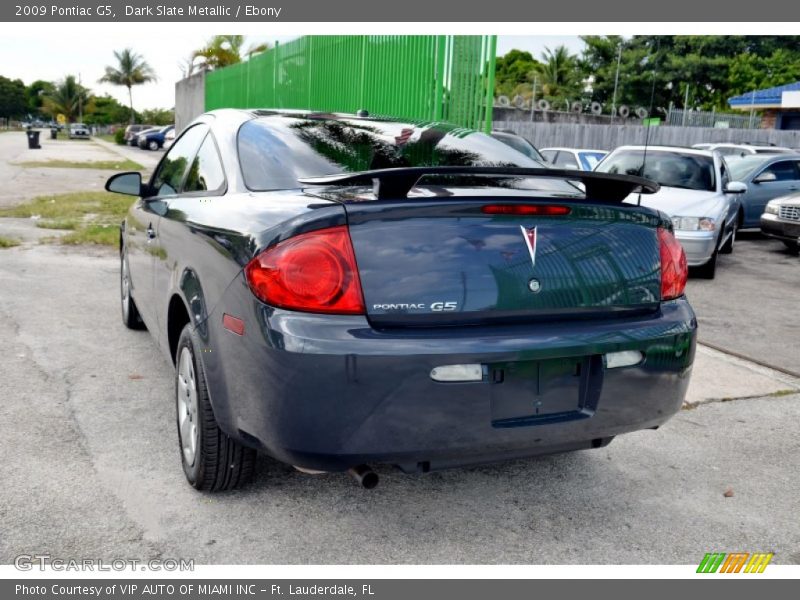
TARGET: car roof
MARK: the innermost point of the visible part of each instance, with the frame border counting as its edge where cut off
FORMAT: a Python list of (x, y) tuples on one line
[(564, 148), (680, 149)]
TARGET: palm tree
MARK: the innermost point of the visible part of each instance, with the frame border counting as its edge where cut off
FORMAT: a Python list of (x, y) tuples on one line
[(558, 73), (66, 98), (131, 70), (221, 51)]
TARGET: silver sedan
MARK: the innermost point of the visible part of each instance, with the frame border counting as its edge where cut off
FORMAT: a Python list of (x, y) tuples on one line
[(696, 192)]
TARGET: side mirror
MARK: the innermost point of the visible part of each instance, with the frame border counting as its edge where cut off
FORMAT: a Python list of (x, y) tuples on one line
[(125, 183), (735, 187), (765, 177)]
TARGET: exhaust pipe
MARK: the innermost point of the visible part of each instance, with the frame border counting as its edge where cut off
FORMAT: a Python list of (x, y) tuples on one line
[(366, 477)]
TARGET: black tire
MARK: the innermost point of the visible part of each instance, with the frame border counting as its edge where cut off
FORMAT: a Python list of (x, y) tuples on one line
[(130, 314), (153, 145), (218, 462), (708, 270), (727, 247), (793, 247)]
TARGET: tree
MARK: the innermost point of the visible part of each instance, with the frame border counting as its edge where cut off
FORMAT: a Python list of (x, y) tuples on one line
[(514, 74), (68, 98), (560, 75), (158, 116), (714, 67), (12, 98), (35, 94), (131, 70), (106, 110), (221, 51)]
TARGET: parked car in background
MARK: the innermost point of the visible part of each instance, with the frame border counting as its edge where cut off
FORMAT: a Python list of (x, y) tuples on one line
[(767, 176), (132, 130), (134, 141), (583, 159), (169, 138), (519, 143), (781, 220), (153, 139), (727, 149), (337, 290), (79, 131), (697, 192)]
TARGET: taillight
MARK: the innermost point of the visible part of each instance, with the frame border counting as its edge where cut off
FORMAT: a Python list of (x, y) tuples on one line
[(674, 271), (543, 210), (312, 272)]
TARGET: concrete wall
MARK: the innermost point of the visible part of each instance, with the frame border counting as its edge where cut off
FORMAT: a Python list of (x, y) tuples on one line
[(190, 99), (608, 137)]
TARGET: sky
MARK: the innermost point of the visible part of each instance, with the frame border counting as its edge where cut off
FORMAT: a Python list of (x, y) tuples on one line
[(51, 57)]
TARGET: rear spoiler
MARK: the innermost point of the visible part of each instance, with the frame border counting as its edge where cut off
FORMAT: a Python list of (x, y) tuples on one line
[(394, 184)]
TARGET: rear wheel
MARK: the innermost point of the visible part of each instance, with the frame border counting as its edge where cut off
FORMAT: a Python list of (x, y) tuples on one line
[(153, 145), (211, 460), (130, 314)]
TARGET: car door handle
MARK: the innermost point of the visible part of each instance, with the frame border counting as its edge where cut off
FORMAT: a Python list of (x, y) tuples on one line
[(151, 233)]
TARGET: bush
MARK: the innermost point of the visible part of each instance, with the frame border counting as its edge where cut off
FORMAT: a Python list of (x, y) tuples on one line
[(119, 136)]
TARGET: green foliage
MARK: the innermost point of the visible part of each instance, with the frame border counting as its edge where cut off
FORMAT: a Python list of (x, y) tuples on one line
[(221, 51), (131, 69), (514, 73), (35, 94), (560, 76), (158, 116), (106, 110), (715, 68), (119, 136), (13, 100), (67, 98)]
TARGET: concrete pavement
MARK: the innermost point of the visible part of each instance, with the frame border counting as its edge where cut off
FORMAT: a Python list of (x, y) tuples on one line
[(91, 466)]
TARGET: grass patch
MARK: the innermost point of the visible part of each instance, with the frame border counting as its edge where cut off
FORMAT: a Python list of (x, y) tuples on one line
[(6, 242), (114, 165), (93, 217), (100, 235), (59, 224), (106, 137)]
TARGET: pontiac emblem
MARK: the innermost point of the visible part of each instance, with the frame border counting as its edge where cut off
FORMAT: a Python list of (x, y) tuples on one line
[(530, 242)]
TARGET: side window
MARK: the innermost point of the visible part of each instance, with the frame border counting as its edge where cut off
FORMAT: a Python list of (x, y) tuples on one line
[(172, 168), (724, 178), (549, 155), (566, 160), (785, 170), (205, 174)]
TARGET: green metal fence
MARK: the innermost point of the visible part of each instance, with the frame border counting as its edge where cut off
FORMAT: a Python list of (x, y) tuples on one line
[(429, 78)]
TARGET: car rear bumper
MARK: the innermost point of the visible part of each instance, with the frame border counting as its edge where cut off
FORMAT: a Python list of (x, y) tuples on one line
[(330, 392), (699, 246), (782, 229)]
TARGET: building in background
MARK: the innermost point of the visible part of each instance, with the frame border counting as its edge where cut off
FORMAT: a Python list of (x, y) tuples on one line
[(780, 105)]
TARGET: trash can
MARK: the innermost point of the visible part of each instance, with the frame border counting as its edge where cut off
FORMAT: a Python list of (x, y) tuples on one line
[(53, 133), (33, 139)]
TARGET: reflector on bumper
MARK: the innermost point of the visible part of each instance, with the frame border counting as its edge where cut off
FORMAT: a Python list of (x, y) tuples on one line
[(456, 373)]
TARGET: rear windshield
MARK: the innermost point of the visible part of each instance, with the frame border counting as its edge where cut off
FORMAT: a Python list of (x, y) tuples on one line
[(670, 169), (276, 151)]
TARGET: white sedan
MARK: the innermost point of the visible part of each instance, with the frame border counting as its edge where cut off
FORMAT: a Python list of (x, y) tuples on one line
[(696, 192), (583, 159)]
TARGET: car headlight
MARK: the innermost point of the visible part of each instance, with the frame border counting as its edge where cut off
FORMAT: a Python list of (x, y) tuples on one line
[(693, 223), (772, 208)]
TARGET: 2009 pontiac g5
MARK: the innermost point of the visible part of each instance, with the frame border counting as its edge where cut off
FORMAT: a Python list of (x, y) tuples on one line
[(337, 291)]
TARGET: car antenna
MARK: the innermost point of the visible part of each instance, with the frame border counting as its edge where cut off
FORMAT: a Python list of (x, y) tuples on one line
[(650, 112)]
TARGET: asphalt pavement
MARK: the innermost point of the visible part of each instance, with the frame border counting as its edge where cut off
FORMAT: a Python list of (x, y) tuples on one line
[(90, 462), (91, 465), (751, 306)]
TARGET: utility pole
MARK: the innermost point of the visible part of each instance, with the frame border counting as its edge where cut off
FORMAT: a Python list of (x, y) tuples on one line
[(616, 83), (533, 98), (752, 109), (685, 103), (80, 100)]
